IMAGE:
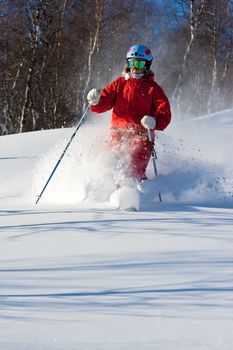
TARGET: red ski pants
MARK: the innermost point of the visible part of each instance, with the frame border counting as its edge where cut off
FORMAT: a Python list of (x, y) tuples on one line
[(132, 150)]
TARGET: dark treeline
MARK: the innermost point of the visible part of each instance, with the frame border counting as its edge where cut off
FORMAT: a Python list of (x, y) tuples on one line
[(53, 51)]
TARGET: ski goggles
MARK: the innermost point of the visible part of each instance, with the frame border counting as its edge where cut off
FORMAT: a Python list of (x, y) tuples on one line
[(138, 64)]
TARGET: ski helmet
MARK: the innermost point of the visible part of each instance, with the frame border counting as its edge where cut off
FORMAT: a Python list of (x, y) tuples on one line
[(140, 51)]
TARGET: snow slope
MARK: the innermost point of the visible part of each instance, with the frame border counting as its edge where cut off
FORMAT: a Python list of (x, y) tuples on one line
[(77, 273)]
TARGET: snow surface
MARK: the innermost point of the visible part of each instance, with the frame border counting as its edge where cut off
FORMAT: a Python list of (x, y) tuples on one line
[(77, 272)]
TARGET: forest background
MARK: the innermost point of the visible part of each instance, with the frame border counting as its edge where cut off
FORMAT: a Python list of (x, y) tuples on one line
[(53, 51)]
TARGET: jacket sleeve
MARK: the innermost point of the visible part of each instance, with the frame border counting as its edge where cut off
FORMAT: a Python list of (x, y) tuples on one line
[(107, 98), (162, 111)]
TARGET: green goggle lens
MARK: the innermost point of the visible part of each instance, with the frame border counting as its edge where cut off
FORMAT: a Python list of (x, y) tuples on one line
[(136, 64)]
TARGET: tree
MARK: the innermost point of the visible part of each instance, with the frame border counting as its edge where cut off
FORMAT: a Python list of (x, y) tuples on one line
[(53, 52), (196, 12)]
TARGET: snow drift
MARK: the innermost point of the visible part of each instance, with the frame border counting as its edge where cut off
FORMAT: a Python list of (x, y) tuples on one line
[(194, 164), (77, 274)]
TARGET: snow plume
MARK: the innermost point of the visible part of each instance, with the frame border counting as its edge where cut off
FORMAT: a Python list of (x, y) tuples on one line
[(187, 177), (86, 171), (89, 172), (193, 165)]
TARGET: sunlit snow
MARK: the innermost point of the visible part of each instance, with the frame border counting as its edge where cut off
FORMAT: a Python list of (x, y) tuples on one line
[(79, 272)]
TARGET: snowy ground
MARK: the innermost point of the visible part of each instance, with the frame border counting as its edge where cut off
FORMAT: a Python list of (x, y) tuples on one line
[(78, 273)]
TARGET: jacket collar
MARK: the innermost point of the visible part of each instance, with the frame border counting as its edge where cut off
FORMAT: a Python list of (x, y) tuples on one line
[(149, 75)]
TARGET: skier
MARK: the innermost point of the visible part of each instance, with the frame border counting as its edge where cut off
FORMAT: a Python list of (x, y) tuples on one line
[(138, 103)]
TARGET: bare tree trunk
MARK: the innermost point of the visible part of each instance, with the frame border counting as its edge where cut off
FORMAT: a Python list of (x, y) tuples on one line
[(212, 100), (195, 21), (93, 44), (58, 62), (229, 47), (219, 20), (9, 93), (34, 39), (25, 101)]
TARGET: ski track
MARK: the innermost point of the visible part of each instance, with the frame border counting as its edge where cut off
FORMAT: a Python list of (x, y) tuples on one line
[(175, 264), (88, 276)]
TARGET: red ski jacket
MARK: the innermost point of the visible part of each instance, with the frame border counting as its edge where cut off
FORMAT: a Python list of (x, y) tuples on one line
[(132, 99)]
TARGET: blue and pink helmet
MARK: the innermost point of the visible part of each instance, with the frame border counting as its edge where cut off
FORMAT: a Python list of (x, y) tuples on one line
[(140, 51)]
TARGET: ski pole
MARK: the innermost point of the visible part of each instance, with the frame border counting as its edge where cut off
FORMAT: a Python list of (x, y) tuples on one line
[(63, 153), (154, 157)]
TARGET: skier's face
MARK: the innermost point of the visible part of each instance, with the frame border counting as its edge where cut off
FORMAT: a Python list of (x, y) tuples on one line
[(136, 71)]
